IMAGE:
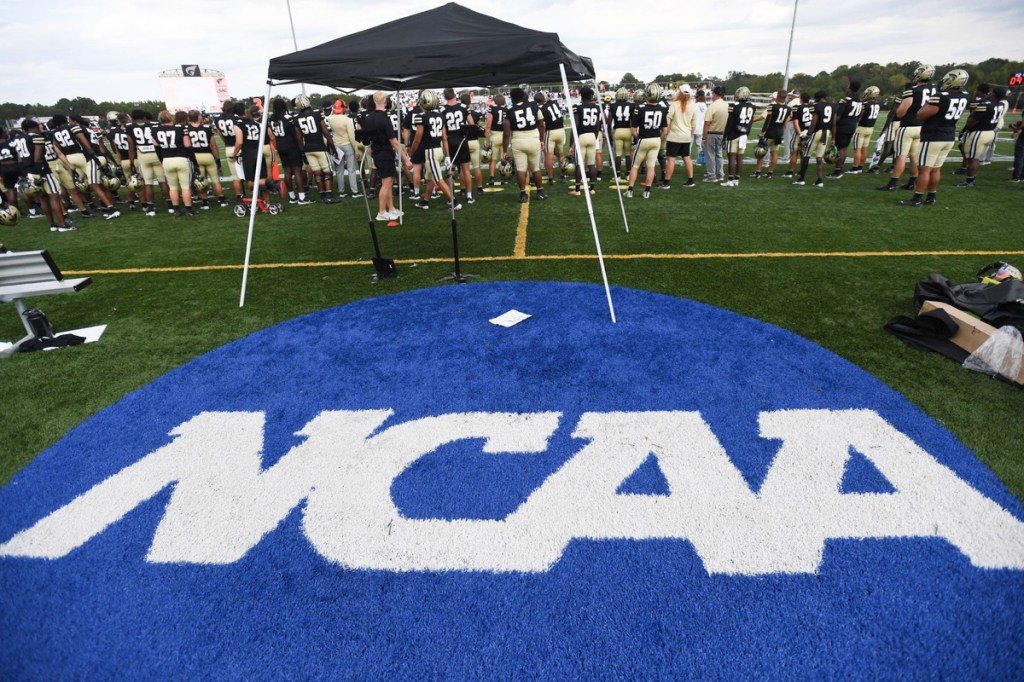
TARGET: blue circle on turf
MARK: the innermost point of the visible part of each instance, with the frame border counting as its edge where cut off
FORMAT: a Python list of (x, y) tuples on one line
[(621, 608)]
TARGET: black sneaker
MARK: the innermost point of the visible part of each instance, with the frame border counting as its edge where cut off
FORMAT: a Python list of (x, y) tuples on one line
[(223, 202), (424, 204), (664, 185), (929, 200), (818, 183), (647, 192), (756, 175), (913, 203), (111, 214), (874, 170), (85, 214), (767, 176), (541, 194), (690, 183), (966, 184), (523, 197), (63, 228), (190, 212), (909, 184), (787, 174), (960, 171), (890, 187)]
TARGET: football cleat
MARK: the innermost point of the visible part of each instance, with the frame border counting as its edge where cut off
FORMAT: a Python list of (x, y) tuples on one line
[(924, 72), (957, 78)]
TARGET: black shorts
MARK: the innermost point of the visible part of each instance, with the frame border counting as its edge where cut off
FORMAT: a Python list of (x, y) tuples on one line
[(385, 163), (249, 168), (291, 157), (843, 140), (419, 156), (678, 149), (774, 135), (9, 175), (460, 156)]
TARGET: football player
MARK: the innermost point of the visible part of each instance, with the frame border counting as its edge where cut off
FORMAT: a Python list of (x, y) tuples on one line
[(554, 141), (649, 129), (980, 132), (681, 122), (70, 140), (737, 127), (207, 156), (908, 139), (621, 115), (226, 127), (431, 144), (938, 132), (494, 132), (246, 148), (844, 125), (524, 135), (456, 117), (473, 134), (142, 157), (816, 141), (10, 168), (313, 139), (117, 139), (714, 130), (174, 147), (40, 169), (588, 125), (865, 128), (776, 116)]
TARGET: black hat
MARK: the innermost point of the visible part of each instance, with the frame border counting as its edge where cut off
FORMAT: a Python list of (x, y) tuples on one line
[(719, 90)]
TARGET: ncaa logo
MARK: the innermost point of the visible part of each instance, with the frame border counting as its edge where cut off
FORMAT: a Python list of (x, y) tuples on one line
[(396, 488)]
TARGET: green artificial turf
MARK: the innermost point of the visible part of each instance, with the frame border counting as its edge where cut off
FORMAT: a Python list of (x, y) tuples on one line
[(159, 320)]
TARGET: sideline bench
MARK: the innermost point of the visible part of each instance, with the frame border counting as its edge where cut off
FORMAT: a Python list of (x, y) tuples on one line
[(25, 274)]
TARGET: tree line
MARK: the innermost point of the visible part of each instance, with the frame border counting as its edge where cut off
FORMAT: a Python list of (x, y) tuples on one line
[(890, 78)]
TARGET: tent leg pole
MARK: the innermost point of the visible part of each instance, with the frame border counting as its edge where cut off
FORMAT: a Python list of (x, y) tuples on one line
[(611, 155), (383, 267), (586, 195), (255, 194), (456, 276)]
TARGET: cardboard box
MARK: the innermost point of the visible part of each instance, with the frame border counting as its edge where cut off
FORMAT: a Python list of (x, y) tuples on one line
[(972, 331)]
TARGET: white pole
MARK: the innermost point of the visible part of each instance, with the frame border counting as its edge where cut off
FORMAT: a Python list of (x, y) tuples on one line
[(294, 41), (255, 193), (586, 192), (401, 168), (611, 157), (792, 29)]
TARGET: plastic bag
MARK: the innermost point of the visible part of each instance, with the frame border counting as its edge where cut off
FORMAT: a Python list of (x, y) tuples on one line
[(1000, 354)]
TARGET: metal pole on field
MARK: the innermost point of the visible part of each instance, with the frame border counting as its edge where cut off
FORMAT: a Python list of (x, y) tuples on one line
[(792, 29), (294, 41), (255, 195), (586, 192)]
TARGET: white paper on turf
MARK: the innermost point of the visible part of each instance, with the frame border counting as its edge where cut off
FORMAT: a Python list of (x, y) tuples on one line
[(512, 317)]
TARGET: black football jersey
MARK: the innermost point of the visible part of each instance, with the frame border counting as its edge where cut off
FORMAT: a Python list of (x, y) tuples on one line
[(22, 145), (869, 114), (622, 115), (226, 127), (588, 118), (848, 113), (8, 154), (202, 138), (553, 116), (524, 116), (432, 123), (805, 116), (825, 111), (308, 123), (984, 114), (171, 140), (250, 137), (919, 96), (455, 117), (64, 137), (941, 127), (776, 117), (649, 120), (741, 118), (119, 141), (142, 136), (497, 118)]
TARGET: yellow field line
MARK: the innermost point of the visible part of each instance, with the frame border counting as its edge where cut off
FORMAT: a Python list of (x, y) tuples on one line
[(623, 256), (524, 216)]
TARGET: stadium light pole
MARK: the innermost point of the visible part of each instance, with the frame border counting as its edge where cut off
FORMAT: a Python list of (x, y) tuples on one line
[(792, 29), (296, 42)]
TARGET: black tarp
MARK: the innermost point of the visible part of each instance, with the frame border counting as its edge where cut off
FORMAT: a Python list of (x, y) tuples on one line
[(447, 46)]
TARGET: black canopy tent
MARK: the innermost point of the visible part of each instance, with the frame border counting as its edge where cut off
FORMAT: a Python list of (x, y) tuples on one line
[(446, 46)]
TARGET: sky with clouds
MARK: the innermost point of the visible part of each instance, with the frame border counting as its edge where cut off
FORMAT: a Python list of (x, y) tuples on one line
[(110, 50)]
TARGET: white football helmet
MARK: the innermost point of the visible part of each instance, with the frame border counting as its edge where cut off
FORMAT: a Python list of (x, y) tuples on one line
[(428, 100), (622, 94), (957, 78), (742, 93), (924, 72), (505, 169), (302, 102), (568, 166), (9, 214), (872, 92), (653, 92), (31, 186)]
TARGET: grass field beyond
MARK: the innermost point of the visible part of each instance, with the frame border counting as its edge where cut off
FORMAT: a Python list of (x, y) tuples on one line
[(831, 264)]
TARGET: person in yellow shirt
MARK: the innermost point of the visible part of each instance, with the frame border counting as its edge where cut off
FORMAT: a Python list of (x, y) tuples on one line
[(682, 119)]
